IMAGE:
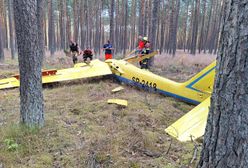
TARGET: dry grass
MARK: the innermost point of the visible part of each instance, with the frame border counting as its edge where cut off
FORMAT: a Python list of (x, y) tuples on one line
[(82, 130)]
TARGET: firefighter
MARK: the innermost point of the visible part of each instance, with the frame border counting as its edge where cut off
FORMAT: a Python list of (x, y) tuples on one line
[(144, 64), (87, 55), (108, 50), (74, 50)]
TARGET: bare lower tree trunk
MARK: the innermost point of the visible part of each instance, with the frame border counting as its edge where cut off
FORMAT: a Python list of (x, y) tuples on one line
[(40, 24), (51, 30), (68, 21), (125, 42), (154, 27), (195, 28), (172, 13), (175, 25), (225, 140), (76, 19), (111, 19), (185, 25), (202, 26), (133, 24), (27, 14), (141, 17), (162, 30), (1, 30), (82, 24), (62, 24), (206, 37), (11, 32)]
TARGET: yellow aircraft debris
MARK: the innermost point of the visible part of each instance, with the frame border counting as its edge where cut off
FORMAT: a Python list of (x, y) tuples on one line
[(137, 58), (118, 101), (117, 89), (192, 125)]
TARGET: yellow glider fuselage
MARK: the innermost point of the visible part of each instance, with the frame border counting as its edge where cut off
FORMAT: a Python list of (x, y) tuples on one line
[(197, 90), (194, 91)]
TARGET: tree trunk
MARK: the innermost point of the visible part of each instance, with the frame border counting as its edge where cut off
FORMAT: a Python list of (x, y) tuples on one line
[(174, 40), (213, 27), (28, 31), (1, 30), (141, 17), (40, 24), (205, 41), (146, 25), (225, 140), (117, 26), (62, 24), (68, 20), (111, 19), (172, 13), (5, 27), (162, 30), (51, 31), (125, 42), (185, 26), (98, 27), (153, 39), (76, 20), (195, 28), (202, 26), (11, 32), (82, 23), (133, 23)]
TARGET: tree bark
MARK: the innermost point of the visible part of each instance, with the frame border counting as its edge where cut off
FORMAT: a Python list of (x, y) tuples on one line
[(51, 30), (205, 43), (111, 19), (125, 42), (1, 31), (82, 23), (62, 18), (226, 136), (202, 26), (195, 28), (172, 13), (133, 24), (185, 26), (68, 20), (27, 22), (11, 32), (175, 25), (141, 17), (76, 19)]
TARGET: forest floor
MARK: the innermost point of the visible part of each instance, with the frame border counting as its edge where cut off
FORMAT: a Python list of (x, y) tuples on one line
[(82, 130)]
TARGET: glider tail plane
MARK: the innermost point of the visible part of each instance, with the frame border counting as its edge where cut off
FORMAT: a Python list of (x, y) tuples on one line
[(192, 125)]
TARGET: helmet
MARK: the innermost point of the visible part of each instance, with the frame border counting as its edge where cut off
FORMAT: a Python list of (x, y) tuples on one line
[(145, 38)]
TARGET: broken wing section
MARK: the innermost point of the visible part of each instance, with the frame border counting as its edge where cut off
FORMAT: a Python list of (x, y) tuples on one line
[(192, 125), (79, 71), (137, 58), (9, 83)]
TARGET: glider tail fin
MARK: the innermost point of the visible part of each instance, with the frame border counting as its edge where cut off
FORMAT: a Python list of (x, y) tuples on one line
[(204, 80)]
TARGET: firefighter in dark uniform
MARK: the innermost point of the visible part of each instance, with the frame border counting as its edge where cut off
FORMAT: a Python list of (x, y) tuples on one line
[(87, 55), (74, 50)]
